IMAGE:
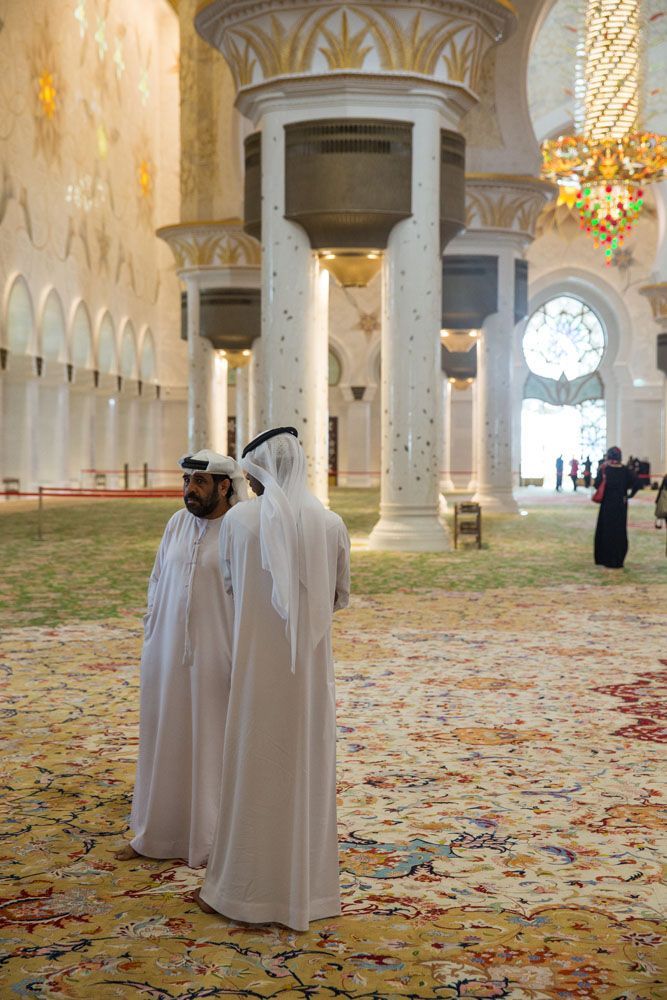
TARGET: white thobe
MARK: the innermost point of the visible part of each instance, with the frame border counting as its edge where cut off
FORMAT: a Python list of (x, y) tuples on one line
[(275, 852), (185, 674)]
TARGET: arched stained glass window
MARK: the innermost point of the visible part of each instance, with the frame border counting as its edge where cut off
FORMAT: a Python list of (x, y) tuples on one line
[(563, 337)]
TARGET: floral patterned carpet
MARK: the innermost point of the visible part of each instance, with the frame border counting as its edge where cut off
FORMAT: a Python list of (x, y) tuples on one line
[(501, 816)]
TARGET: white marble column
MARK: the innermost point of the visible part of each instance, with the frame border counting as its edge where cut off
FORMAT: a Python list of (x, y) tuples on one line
[(106, 440), (256, 419), (294, 297), (411, 390), (494, 410), (53, 425), (217, 434), (242, 408), (201, 374), (357, 439), (31, 434), (82, 422), (446, 482), (64, 426), (20, 424), (474, 427)]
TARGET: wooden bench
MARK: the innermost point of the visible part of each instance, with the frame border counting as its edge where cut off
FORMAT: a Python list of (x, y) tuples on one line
[(468, 522)]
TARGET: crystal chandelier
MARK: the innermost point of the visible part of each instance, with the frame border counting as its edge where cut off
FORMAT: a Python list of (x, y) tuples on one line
[(608, 162)]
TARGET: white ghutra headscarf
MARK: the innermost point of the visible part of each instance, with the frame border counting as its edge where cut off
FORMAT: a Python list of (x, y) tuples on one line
[(292, 535)]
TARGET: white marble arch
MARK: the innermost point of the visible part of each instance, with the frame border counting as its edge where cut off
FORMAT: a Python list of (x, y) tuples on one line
[(53, 418), (105, 445), (131, 443), (127, 355), (20, 331), (106, 350), (18, 385), (80, 337), (614, 368), (147, 356), (150, 424), (52, 344)]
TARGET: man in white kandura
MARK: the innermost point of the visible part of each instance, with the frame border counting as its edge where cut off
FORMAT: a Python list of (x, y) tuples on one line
[(185, 672), (285, 560)]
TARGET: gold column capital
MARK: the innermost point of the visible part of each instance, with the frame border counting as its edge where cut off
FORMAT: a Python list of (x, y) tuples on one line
[(444, 41), (211, 244), (657, 296), (509, 203)]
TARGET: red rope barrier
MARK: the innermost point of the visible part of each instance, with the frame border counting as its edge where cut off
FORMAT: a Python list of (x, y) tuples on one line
[(120, 472), (96, 494)]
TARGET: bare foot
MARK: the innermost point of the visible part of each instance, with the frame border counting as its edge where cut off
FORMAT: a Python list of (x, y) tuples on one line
[(196, 898), (126, 853)]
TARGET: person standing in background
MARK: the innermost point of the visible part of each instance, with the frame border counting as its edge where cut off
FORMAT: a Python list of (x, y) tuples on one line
[(574, 472), (611, 531), (559, 474), (588, 465)]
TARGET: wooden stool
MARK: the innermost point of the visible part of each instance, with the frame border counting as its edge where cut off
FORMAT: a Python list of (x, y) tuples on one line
[(468, 521), (11, 485)]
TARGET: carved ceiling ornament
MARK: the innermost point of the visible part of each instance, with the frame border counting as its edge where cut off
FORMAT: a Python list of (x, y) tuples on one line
[(508, 203), (211, 244), (444, 40)]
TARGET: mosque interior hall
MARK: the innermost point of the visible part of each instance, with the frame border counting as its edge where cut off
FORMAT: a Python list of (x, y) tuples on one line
[(430, 235)]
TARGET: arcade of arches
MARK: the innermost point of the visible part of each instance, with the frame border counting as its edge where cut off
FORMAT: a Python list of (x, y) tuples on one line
[(118, 344), (221, 216)]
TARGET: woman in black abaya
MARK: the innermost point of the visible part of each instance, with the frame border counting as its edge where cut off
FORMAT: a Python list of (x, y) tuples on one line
[(611, 532)]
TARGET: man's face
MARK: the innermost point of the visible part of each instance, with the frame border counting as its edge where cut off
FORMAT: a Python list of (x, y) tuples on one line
[(255, 485), (201, 494)]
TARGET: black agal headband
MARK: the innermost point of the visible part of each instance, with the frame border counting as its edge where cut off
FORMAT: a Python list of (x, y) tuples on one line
[(193, 463), (266, 436)]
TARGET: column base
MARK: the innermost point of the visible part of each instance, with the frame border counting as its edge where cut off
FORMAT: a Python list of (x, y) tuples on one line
[(409, 531), (500, 501)]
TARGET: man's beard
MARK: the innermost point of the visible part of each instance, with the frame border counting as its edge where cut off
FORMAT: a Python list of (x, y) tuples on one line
[(201, 508)]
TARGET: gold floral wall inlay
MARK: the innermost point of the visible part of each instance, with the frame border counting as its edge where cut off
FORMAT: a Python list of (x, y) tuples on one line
[(47, 94)]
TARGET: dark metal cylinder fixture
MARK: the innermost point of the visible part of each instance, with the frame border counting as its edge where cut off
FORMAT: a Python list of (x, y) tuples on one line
[(459, 365), (662, 352), (252, 190), (452, 186), (469, 290), (230, 317), (348, 181), (520, 290)]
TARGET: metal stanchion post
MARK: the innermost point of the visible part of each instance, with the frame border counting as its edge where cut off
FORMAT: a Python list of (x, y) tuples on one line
[(40, 507), (145, 475), (126, 475)]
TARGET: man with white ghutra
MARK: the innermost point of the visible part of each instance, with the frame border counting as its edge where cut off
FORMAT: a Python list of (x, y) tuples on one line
[(185, 672), (285, 561)]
